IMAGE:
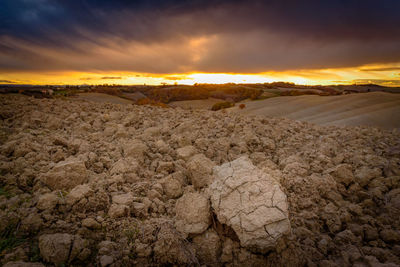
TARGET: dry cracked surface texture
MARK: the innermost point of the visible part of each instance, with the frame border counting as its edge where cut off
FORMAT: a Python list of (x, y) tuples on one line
[(251, 202), (94, 184)]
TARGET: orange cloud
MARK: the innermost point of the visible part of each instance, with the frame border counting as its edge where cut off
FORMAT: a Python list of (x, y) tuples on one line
[(386, 76)]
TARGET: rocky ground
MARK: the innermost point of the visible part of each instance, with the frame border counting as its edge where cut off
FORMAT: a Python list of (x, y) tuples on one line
[(87, 184)]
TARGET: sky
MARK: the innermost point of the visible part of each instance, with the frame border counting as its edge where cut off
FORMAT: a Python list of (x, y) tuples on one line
[(196, 41)]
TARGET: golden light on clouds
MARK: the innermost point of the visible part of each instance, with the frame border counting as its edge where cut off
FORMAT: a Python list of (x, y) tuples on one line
[(198, 46), (385, 74)]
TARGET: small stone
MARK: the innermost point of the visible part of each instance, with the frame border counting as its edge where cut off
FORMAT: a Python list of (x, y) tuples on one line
[(370, 233), (192, 214), (186, 152), (91, 223), (165, 167), (227, 255), (153, 194), (77, 194), (365, 174), (143, 250), (139, 209), (343, 174), (31, 223), (124, 166), (158, 187), (345, 237), (106, 260), (208, 247), (123, 199), (47, 201), (172, 187), (200, 168), (55, 248), (390, 236), (135, 149), (117, 211)]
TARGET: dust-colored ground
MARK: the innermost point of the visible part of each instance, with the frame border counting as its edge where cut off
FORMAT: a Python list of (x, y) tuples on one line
[(89, 184), (196, 104), (103, 98), (376, 109)]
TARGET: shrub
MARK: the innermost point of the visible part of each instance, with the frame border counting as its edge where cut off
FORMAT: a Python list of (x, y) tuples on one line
[(242, 106), (179, 93), (66, 93), (107, 90), (298, 93), (148, 101), (8, 237), (222, 105)]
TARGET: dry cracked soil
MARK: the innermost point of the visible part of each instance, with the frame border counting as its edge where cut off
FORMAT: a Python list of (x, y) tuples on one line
[(95, 184)]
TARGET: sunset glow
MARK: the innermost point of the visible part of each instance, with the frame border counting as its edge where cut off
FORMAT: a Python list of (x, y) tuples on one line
[(387, 75), (64, 42)]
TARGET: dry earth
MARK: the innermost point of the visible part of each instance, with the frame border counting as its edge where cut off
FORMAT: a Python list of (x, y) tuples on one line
[(376, 109), (94, 184)]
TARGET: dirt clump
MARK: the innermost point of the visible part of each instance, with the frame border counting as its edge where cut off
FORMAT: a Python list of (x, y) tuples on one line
[(192, 213), (251, 202), (102, 184), (65, 175)]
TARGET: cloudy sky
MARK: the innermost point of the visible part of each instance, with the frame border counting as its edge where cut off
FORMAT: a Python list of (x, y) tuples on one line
[(122, 41)]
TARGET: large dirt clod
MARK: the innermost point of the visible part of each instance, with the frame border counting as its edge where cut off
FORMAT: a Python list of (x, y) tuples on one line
[(200, 169), (192, 214), (66, 175), (251, 202), (55, 248)]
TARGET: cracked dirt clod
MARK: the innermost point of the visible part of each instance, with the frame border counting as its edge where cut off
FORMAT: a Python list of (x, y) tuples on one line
[(251, 202), (55, 248), (192, 214)]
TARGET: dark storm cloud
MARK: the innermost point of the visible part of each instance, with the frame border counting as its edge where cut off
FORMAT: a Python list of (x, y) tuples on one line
[(156, 36)]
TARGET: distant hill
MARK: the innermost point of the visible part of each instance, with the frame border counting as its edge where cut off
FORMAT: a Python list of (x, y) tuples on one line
[(377, 109)]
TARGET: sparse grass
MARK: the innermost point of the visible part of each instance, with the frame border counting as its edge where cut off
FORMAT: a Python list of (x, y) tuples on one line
[(34, 252), (62, 194), (8, 238), (10, 242), (4, 192), (132, 233)]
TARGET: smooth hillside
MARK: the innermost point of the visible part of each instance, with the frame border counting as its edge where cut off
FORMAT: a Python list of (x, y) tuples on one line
[(375, 109)]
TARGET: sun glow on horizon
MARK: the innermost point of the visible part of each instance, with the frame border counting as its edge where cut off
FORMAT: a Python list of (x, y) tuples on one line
[(388, 74)]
